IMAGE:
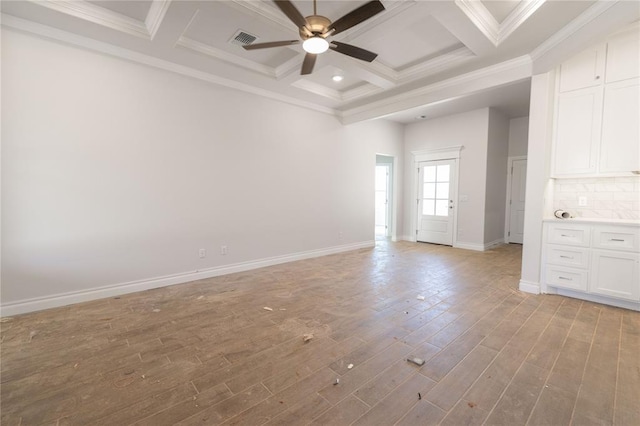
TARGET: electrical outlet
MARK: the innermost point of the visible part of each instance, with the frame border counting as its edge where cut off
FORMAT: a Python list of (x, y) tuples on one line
[(202, 253), (582, 201), (223, 250)]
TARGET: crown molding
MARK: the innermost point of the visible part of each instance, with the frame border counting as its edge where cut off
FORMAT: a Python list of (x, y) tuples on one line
[(196, 46), (497, 32), (491, 76), (269, 13), (437, 64), (317, 89), (517, 17), (86, 11), (23, 25), (156, 15), (366, 89), (583, 19)]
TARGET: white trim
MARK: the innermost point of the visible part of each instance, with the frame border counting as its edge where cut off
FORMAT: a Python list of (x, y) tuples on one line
[(448, 153), (478, 247), (205, 49), (628, 304), (155, 16), (583, 19), (63, 299), (496, 75), (98, 15), (529, 287), (507, 207), (20, 24), (487, 24)]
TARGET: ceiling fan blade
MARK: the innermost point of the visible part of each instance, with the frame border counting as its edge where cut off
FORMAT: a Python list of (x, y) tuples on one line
[(353, 51), (356, 16), (270, 44), (292, 12), (308, 63)]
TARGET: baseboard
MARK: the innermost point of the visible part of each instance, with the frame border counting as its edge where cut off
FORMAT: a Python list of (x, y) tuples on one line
[(408, 238), (64, 299), (478, 247), (529, 287), (628, 304)]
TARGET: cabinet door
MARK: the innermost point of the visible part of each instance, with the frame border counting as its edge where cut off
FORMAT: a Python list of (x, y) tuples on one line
[(623, 57), (577, 132), (615, 274), (583, 70), (620, 141)]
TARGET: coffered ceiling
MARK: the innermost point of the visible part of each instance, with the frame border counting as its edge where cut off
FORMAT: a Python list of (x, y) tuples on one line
[(432, 55)]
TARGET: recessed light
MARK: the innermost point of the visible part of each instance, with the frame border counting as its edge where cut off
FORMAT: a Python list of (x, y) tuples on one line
[(337, 78)]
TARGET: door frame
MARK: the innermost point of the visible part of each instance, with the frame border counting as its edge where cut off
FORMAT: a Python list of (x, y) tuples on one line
[(392, 204), (387, 219), (448, 153), (507, 207)]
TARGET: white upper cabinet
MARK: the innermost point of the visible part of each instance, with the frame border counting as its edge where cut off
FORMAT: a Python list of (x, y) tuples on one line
[(583, 70), (623, 58), (577, 131), (596, 130), (619, 146)]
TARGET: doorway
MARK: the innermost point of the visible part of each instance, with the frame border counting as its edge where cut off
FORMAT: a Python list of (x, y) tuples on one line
[(383, 195), (516, 185), (436, 195)]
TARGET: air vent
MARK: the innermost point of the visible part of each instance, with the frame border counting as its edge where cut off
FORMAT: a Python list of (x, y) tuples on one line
[(242, 38)]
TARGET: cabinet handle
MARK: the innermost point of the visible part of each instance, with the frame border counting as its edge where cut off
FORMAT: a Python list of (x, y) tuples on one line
[(564, 278), (616, 239), (566, 257), (565, 235), (597, 77)]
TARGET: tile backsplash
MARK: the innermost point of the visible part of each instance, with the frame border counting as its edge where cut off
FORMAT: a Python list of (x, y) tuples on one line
[(607, 197)]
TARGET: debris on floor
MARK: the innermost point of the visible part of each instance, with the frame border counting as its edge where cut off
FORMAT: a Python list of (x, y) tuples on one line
[(420, 297), (416, 361), (307, 337), (350, 366), (419, 396), (32, 335), (471, 404), (156, 310), (5, 319), (283, 309), (266, 308), (406, 312), (200, 297), (336, 382)]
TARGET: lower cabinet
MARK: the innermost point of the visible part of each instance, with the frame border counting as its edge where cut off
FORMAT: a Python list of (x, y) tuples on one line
[(601, 260), (615, 274)]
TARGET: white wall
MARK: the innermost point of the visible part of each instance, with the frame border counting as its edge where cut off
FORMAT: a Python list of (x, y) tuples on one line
[(496, 183), (469, 129), (113, 172), (518, 136)]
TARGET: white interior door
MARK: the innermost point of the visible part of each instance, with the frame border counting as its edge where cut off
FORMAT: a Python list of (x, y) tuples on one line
[(382, 199), (516, 201), (436, 195)]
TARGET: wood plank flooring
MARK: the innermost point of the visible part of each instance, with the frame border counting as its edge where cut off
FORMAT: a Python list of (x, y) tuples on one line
[(208, 352)]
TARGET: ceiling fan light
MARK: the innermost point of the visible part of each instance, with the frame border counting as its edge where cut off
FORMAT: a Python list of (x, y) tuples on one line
[(315, 45)]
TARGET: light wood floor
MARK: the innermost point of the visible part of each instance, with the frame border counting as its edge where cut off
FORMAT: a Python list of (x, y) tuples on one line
[(208, 353)]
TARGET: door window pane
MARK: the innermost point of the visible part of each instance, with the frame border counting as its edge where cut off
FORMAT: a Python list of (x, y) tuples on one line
[(442, 190), (429, 174), (381, 178), (428, 207), (429, 190), (442, 207), (443, 173)]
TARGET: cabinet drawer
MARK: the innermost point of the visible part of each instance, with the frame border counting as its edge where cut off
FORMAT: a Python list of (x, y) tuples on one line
[(575, 257), (574, 279), (574, 235), (616, 238)]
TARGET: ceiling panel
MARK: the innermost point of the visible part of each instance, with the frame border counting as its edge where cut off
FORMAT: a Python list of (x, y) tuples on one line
[(415, 41), (137, 9), (207, 28), (500, 9)]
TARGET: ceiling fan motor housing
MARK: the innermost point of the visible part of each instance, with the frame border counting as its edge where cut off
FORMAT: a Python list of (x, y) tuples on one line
[(316, 25)]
